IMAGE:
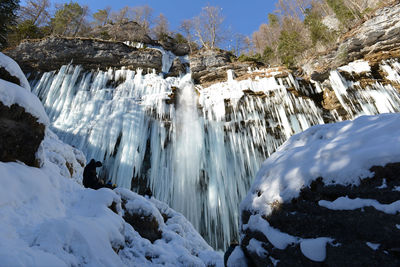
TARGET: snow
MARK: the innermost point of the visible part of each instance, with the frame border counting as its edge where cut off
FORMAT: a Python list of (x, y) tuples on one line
[(358, 66), (341, 153), (312, 248), (237, 258), (383, 185), (398, 226), (315, 248), (373, 246), (256, 246), (11, 93), (396, 188), (277, 238), (13, 68), (50, 220), (345, 203)]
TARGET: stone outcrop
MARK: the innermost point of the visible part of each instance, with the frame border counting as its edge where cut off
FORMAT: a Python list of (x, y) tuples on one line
[(177, 68), (5, 75), (53, 52), (142, 221), (20, 135), (375, 39), (355, 231), (169, 43), (210, 66)]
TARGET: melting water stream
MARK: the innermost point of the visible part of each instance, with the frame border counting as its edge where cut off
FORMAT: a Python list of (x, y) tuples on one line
[(197, 152)]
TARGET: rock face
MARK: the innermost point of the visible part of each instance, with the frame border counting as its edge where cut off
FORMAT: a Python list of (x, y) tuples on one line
[(210, 66), (20, 135), (376, 39), (179, 49), (355, 232), (53, 52)]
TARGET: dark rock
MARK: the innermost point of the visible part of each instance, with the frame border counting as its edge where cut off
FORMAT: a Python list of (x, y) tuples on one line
[(146, 225), (181, 49), (20, 135), (208, 58), (5, 75), (351, 229), (177, 68), (53, 52), (229, 251)]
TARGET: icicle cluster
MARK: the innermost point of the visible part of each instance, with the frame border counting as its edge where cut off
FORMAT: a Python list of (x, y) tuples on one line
[(197, 152)]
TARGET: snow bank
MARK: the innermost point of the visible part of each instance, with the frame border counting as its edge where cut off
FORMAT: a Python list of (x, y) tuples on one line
[(341, 153), (13, 68), (358, 66), (49, 219), (345, 203), (11, 93), (312, 248)]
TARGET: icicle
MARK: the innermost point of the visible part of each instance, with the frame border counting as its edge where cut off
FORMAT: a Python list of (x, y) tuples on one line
[(200, 154)]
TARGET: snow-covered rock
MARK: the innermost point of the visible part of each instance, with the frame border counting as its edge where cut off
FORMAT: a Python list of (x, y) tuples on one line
[(22, 116), (325, 195)]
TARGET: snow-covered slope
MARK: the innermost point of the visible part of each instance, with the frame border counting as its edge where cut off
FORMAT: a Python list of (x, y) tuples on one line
[(49, 219)]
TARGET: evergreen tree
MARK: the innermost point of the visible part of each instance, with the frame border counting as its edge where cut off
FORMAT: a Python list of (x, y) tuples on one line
[(319, 32), (69, 19), (342, 12), (8, 9), (289, 47), (102, 16)]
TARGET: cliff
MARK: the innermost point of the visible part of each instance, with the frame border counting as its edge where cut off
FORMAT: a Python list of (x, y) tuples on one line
[(51, 53)]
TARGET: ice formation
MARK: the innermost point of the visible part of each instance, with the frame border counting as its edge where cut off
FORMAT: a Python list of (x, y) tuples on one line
[(197, 148)]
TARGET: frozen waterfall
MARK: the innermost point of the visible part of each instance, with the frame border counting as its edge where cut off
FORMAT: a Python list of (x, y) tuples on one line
[(196, 148)]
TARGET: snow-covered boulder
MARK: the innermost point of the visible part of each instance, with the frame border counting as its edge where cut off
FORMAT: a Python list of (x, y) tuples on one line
[(22, 116), (155, 234), (330, 194)]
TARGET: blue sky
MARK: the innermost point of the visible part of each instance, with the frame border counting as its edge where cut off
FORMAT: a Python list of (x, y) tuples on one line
[(243, 16)]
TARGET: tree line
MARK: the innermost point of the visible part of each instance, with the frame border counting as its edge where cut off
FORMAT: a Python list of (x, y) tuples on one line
[(295, 30), (35, 20), (300, 28)]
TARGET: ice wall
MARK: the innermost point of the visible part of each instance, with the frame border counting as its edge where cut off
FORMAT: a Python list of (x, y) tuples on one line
[(198, 149)]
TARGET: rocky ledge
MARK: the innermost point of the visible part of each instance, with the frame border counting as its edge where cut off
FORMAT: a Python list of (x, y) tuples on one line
[(51, 53), (376, 39), (211, 66)]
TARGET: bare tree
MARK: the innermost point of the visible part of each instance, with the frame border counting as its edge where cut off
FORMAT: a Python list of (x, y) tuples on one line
[(36, 11), (239, 44), (120, 16), (187, 27), (208, 26), (143, 15), (161, 28)]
